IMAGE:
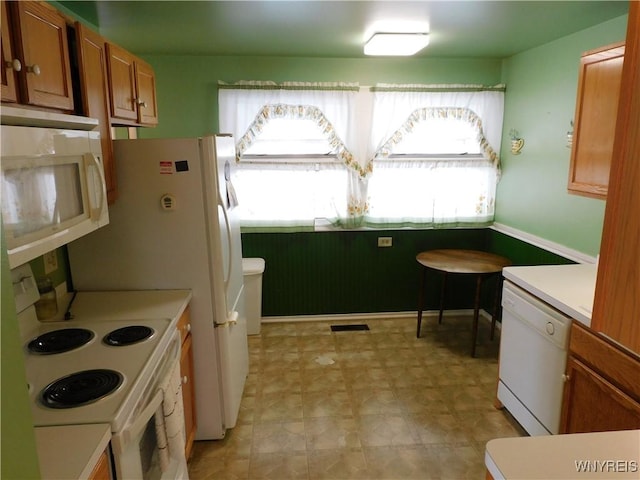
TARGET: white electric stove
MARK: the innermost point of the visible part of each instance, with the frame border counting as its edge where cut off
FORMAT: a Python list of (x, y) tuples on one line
[(128, 367), (92, 370)]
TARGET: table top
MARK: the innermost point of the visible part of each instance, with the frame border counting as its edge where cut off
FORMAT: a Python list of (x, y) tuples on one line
[(462, 261)]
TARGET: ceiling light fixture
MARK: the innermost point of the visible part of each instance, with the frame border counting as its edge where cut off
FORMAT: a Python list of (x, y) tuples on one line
[(400, 44)]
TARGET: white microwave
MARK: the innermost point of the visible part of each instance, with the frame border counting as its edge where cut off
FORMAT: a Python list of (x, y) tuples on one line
[(52, 187)]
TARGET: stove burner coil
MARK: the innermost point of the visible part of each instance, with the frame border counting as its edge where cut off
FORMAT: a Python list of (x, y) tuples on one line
[(128, 335), (59, 341), (81, 388)]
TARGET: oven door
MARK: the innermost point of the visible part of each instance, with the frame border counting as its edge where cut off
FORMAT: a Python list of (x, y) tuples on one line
[(136, 449)]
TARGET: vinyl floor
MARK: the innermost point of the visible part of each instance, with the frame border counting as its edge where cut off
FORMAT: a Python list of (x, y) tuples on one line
[(372, 404)]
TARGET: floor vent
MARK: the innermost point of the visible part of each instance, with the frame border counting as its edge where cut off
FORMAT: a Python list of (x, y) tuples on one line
[(349, 328)]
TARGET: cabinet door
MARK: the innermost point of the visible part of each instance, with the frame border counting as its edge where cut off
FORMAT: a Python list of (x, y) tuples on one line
[(592, 404), (102, 470), (146, 87), (616, 309), (45, 78), (92, 59), (188, 393), (595, 120), (122, 83), (9, 90)]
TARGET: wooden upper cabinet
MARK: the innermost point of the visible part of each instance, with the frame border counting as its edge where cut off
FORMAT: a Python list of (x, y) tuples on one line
[(122, 83), (40, 44), (10, 64), (132, 88), (595, 120), (92, 62), (146, 83)]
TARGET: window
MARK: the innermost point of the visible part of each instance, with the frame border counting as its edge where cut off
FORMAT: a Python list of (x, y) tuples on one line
[(290, 176), (290, 137), (433, 175), (398, 156)]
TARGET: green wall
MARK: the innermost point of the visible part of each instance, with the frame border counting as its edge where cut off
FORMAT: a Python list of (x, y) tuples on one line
[(187, 86), (540, 103), (18, 455)]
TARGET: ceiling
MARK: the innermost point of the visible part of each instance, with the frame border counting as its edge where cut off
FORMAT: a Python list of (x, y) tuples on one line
[(311, 28)]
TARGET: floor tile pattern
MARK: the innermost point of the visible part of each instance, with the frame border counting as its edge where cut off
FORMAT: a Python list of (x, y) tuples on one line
[(376, 404)]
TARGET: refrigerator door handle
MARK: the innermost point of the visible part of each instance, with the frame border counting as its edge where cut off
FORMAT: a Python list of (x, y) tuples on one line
[(230, 243), (232, 319)]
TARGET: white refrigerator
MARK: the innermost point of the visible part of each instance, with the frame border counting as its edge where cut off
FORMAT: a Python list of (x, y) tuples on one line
[(175, 226)]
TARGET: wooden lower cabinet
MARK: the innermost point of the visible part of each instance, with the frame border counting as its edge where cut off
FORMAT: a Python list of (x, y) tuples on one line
[(602, 392), (594, 404), (188, 386), (102, 470)]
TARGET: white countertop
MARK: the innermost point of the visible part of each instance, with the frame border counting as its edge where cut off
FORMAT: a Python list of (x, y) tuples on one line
[(70, 451), (553, 457), (127, 305), (568, 288)]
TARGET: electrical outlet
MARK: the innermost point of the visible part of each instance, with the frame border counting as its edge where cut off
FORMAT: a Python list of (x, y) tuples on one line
[(385, 241), (50, 262)]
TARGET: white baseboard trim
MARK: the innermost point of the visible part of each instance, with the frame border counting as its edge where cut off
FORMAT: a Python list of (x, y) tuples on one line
[(553, 247), (362, 317)]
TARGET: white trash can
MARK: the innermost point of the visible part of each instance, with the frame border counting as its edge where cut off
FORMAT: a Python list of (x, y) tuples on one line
[(252, 270)]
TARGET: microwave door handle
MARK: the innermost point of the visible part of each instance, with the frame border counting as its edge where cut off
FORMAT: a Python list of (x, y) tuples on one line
[(92, 161), (122, 439)]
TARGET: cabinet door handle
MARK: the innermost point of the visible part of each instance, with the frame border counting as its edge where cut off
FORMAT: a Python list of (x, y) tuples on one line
[(142, 103), (14, 64), (565, 378), (35, 69), (185, 380)]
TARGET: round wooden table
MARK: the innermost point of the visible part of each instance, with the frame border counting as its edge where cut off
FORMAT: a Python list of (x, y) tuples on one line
[(467, 262)]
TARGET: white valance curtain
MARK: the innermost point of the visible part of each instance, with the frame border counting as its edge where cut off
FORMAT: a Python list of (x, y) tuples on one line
[(245, 107), (396, 108)]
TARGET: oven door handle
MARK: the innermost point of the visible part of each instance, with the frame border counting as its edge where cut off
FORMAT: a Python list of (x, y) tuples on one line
[(121, 439)]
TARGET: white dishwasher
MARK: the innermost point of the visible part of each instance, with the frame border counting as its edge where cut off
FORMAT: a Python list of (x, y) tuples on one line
[(533, 355)]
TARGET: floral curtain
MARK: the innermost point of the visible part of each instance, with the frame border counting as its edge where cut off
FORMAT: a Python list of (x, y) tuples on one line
[(245, 107), (364, 126), (434, 192)]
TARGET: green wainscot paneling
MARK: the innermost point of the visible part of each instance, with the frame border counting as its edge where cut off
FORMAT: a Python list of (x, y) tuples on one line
[(326, 273), (520, 252)]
